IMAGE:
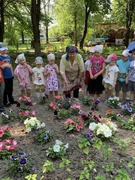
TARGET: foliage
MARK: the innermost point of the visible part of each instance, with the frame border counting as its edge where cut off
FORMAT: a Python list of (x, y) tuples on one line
[(87, 101), (130, 124), (61, 113), (84, 144), (114, 102), (8, 116), (42, 135), (122, 174), (19, 164), (58, 150)]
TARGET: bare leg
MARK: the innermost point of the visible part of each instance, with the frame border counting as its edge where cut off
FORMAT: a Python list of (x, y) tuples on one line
[(28, 91), (51, 95), (56, 93)]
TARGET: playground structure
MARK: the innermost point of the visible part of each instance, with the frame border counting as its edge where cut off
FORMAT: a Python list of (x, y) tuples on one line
[(112, 33)]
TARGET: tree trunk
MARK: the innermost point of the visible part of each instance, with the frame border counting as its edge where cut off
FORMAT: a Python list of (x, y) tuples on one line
[(1, 20), (87, 12), (46, 33), (22, 35), (130, 6), (75, 27), (35, 17)]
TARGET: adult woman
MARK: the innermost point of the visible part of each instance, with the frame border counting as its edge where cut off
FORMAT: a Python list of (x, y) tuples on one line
[(71, 69)]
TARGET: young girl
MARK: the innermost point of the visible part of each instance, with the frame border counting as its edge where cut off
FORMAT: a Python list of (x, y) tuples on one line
[(87, 74), (97, 66), (38, 78), (110, 76), (22, 72), (51, 71)]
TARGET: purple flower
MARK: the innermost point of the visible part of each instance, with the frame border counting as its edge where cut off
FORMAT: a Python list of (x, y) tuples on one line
[(97, 101), (45, 137), (84, 117), (14, 158), (89, 135), (20, 169), (92, 109), (18, 104), (129, 109), (21, 154), (124, 106), (55, 112), (23, 161)]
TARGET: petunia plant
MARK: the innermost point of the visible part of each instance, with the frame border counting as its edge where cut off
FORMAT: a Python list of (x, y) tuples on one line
[(7, 147), (114, 102), (33, 124), (58, 150), (19, 164), (74, 124), (4, 132), (42, 135), (103, 130)]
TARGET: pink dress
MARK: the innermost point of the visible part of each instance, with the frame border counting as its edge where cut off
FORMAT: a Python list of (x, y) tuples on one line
[(23, 73), (52, 79)]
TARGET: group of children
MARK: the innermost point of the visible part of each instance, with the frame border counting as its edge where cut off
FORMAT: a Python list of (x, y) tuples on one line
[(111, 74), (42, 78)]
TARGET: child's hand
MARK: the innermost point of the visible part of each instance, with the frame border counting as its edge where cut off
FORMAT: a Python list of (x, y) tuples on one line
[(48, 73), (95, 76), (126, 80)]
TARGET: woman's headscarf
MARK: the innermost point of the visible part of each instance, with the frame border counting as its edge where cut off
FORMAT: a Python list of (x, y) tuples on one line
[(70, 49)]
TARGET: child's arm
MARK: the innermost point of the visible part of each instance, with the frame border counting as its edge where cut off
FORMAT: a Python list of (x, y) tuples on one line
[(115, 79), (90, 71), (46, 73), (100, 72), (29, 68), (56, 69), (5, 65)]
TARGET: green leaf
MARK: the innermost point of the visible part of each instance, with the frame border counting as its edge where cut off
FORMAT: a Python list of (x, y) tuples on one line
[(86, 151), (130, 165), (80, 146)]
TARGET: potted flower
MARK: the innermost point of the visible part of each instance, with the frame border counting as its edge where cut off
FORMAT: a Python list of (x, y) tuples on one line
[(58, 150)]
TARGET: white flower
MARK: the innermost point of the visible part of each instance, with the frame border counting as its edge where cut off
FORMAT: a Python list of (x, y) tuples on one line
[(28, 129), (108, 133), (56, 148), (32, 123), (66, 146), (58, 142), (113, 126), (47, 152), (117, 98), (93, 126), (42, 125)]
